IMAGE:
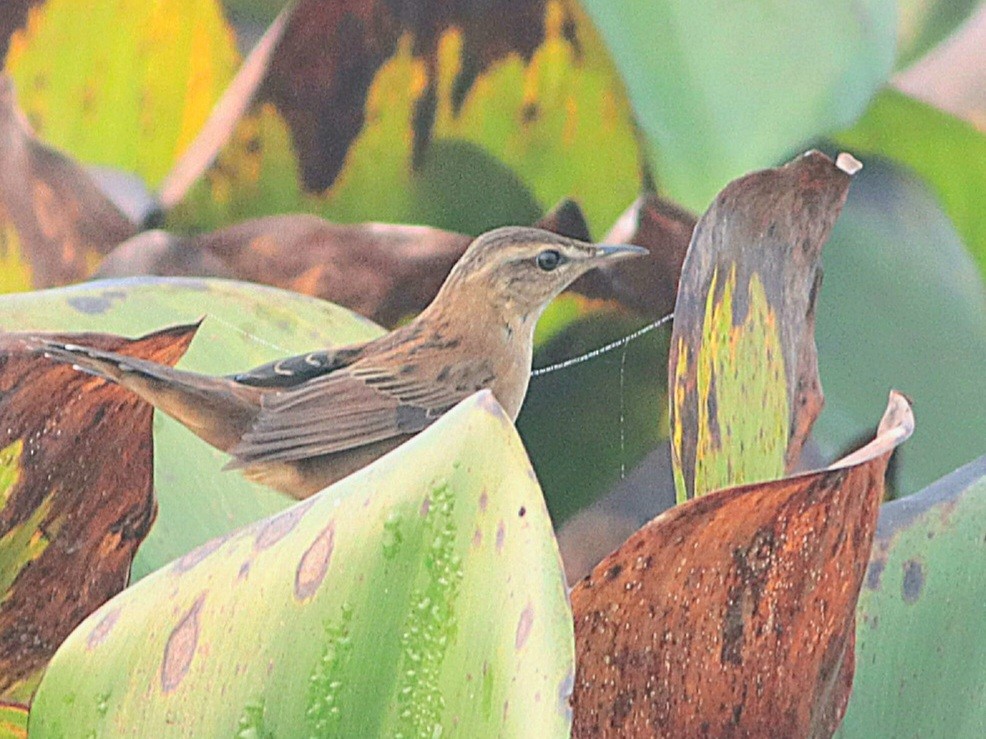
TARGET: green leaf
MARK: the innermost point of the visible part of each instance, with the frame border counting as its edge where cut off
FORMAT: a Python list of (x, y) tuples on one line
[(948, 153), (902, 305), (920, 652), (124, 83), (422, 596), (457, 130), (245, 325), (925, 23), (721, 89)]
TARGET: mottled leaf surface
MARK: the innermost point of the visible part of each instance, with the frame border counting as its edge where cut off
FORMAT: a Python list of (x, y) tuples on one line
[(127, 83), (55, 223), (244, 325), (461, 115), (743, 370), (75, 494), (733, 614), (919, 648), (422, 596)]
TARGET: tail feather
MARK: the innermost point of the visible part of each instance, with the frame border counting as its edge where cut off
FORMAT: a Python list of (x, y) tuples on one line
[(216, 409)]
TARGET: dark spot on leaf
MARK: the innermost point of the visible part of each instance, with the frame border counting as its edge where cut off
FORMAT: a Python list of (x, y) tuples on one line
[(522, 512), (913, 581), (621, 709), (614, 571), (314, 563), (524, 624), (275, 529), (180, 648), (875, 571), (103, 628), (198, 554)]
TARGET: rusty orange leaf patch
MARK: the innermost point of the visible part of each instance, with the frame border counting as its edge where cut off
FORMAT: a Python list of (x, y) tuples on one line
[(55, 223), (75, 493), (743, 376), (734, 614)]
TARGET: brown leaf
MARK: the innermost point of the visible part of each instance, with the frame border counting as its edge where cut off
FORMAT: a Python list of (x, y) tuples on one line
[(63, 220), (331, 50), (163, 254), (650, 286), (75, 488), (382, 271), (567, 219), (734, 614), (744, 326)]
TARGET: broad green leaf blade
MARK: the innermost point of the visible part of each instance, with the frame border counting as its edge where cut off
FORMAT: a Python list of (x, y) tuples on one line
[(743, 371), (76, 494), (422, 596), (734, 614), (244, 325), (124, 83), (424, 117), (948, 153), (925, 23), (902, 305), (919, 642), (721, 89)]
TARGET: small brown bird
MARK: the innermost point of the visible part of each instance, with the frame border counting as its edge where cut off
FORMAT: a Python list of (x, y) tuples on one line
[(301, 423)]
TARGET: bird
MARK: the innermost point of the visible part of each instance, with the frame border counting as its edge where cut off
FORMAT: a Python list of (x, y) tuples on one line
[(301, 423)]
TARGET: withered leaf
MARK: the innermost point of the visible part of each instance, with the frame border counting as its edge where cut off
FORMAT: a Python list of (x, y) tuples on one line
[(51, 212), (567, 219), (75, 493), (383, 271), (734, 614), (651, 284), (743, 377)]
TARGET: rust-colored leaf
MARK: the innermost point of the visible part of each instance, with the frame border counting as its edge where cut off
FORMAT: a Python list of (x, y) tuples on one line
[(734, 614), (55, 223), (75, 493), (650, 286), (743, 374)]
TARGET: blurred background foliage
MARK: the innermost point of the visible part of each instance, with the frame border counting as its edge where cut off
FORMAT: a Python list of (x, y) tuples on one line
[(465, 118)]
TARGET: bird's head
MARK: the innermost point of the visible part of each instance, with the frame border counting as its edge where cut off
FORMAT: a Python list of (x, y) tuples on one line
[(522, 269)]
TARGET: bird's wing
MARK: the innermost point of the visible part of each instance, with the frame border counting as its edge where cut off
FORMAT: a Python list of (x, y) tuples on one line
[(294, 371), (352, 407)]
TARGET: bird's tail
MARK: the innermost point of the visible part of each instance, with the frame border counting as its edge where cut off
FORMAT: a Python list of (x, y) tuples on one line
[(217, 409)]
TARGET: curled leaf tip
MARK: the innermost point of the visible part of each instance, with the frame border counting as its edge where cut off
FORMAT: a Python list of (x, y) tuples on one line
[(848, 163)]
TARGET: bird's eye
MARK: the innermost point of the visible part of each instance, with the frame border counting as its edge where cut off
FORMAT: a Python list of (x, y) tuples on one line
[(548, 260)]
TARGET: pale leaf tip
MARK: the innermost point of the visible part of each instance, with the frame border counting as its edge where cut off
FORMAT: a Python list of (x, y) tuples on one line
[(848, 163)]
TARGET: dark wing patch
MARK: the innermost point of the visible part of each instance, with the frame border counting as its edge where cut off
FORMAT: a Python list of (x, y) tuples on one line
[(349, 408), (293, 371)]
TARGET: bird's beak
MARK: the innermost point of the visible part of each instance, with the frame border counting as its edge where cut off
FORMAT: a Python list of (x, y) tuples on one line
[(618, 251)]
